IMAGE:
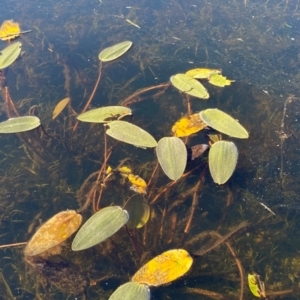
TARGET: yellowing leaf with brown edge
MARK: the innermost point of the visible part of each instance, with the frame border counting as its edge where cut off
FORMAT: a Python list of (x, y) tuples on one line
[(188, 125), (60, 107), (164, 268), (139, 185), (9, 30), (53, 232), (202, 73), (219, 80)]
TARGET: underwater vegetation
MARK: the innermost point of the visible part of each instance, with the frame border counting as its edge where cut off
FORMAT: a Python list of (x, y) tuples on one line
[(139, 170)]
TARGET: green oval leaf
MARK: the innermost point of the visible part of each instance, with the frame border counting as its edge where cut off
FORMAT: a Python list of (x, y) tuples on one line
[(19, 124), (189, 86), (104, 114), (172, 156), (99, 227), (129, 133), (139, 211), (115, 51), (224, 123), (9, 54), (222, 159), (131, 291)]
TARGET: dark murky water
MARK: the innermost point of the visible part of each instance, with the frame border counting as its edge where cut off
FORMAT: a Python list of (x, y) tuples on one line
[(255, 43)]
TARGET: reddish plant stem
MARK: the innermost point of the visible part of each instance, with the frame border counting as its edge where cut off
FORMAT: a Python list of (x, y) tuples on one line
[(195, 202), (13, 245), (131, 99), (92, 95)]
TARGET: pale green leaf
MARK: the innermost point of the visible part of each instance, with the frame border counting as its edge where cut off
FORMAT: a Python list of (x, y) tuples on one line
[(9, 54), (19, 124), (189, 85), (224, 123), (222, 160), (99, 227), (172, 156), (131, 291), (129, 133), (104, 114), (139, 211), (114, 51)]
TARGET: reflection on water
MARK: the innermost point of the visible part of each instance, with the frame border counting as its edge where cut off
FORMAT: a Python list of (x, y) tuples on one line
[(254, 42)]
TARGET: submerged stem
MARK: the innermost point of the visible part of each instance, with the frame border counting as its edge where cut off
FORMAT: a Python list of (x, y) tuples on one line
[(92, 95)]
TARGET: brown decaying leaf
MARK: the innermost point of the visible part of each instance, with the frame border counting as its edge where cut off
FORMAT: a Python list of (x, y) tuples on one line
[(198, 150), (53, 232)]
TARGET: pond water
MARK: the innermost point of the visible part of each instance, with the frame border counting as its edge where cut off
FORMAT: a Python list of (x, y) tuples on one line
[(255, 43)]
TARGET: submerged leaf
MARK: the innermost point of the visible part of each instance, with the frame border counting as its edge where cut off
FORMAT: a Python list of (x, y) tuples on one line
[(139, 211), (9, 54), (139, 185), (60, 106), (9, 30), (188, 125), (214, 137), (164, 268), (256, 286), (115, 51), (104, 114), (198, 150), (125, 171), (219, 80), (99, 227), (172, 156), (131, 291), (222, 160), (53, 232), (19, 124), (223, 122), (129, 133), (189, 85), (202, 73)]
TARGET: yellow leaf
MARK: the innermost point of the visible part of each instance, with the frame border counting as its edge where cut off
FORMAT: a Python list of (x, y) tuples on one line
[(188, 125), (59, 107), (125, 171), (109, 170), (53, 232), (139, 185), (164, 268), (202, 73), (257, 287), (9, 30), (219, 80)]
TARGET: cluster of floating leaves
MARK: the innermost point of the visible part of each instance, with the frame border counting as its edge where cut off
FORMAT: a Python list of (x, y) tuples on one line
[(172, 156)]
